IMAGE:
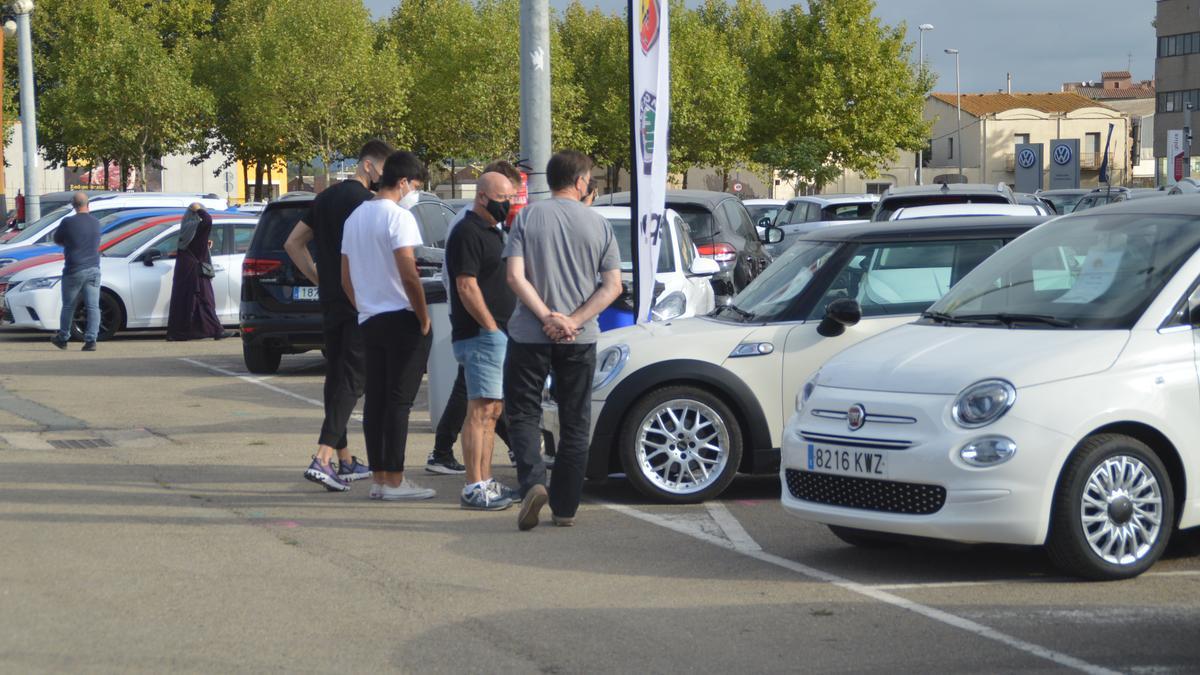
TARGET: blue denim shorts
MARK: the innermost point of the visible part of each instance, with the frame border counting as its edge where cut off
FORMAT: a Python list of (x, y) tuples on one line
[(482, 359)]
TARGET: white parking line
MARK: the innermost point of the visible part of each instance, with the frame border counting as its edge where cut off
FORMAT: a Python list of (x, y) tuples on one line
[(873, 593), (733, 530), (256, 381)]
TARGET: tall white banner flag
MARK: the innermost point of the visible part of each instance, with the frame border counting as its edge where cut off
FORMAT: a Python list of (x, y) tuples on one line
[(650, 98)]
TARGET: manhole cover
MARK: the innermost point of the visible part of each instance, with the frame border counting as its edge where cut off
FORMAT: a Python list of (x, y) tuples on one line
[(80, 444)]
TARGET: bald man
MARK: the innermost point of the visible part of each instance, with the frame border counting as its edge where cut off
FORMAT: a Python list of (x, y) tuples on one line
[(480, 305), (79, 235)]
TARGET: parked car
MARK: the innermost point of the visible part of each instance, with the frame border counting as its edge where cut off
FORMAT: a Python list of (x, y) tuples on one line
[(109, 221), (1045, 206), (49, 202), (946, 193), (1140, 193), (956, 210), (802, 215), (1064, 201), (722, 229), (135, 277), (42, 230), (682, 277), (1031, 406), (1099, 197), (762, 212), (681, 407), (1185, 186), (280, 308)]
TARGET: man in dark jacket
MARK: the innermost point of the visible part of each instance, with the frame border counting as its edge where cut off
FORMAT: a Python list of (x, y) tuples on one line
[(79, 235)]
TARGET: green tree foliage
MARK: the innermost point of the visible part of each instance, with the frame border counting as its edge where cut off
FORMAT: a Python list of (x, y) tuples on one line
[(596, 44), (844, 93)]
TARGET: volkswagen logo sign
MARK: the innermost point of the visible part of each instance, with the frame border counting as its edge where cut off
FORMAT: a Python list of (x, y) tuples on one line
[(1062, 154), (1027, 158), (856, 417)]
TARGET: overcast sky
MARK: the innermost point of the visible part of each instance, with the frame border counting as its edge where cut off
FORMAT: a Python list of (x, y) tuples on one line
[(1043, 43)]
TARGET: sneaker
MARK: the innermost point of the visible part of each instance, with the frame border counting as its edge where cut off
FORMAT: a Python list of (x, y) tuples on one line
[(500, 490), (483, 499), (407, 492), (89, 347), (535, 499), (562, 522), (61, 344), (444, 465), (376, 491), (324, 474), (353, 470)]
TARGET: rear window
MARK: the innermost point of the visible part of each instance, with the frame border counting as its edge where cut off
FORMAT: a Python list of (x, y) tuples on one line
[(698, 219), (889, 205), (857, 211), (274, 226)]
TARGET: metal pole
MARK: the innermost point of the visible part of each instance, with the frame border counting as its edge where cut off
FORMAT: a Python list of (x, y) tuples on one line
[(958, 95), (33, 208), (535, 93), (3, 184), (921, 153), (1187, 140)]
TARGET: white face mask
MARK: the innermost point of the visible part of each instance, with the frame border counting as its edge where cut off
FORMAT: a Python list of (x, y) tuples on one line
[(410, 200)]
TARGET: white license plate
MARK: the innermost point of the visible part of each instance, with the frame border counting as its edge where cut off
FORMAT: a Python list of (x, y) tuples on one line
[(305, 293), (846, 462)]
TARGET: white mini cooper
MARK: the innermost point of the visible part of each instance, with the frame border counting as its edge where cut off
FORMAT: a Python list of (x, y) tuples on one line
[(682, 406), (1029, 406)]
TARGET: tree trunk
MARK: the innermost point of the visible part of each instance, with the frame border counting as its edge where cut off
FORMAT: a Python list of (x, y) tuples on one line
[(258, 180), (453, 193), (106, 183), (685, 181), (123, 172), (724, 179)]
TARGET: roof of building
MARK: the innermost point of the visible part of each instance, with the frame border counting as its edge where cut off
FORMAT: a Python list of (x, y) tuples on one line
[(1102, 93), (1049, 102), (1116, 74)]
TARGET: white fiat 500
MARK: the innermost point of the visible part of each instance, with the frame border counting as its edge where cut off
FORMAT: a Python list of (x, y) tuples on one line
[(1050, 398)]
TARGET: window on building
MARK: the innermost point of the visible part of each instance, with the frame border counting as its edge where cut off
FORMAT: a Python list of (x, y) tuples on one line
[(877, 188), (1021, 138), (951, 147), (1092, 143)]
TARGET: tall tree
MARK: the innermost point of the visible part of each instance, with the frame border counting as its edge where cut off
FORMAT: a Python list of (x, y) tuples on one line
[(844, 93), (596, 43)]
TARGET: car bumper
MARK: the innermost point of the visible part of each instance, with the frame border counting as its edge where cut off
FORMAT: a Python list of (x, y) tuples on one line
[(927, 490), (292, 332), (37, 310)]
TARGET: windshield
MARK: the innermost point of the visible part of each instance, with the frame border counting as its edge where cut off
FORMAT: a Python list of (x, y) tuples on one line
[(770, 295), (624, 236), (120, 232), (698, 219), (126, 247), (1093, 272), (35, 228), (1062, 203), (890, 204), (757, 213)]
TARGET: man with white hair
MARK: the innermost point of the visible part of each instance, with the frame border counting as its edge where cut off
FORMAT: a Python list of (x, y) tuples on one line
[(79, 235)]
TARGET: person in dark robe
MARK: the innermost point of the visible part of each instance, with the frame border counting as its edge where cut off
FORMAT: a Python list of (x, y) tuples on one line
[(193, 311)]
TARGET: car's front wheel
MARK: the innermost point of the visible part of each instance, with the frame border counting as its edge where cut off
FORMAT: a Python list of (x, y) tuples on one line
[(112, 318), (261, 359), (680, 444), (1114, 510)]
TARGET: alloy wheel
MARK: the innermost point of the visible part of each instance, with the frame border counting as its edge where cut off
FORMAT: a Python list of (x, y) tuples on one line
[(682, 446), (1122, 510)]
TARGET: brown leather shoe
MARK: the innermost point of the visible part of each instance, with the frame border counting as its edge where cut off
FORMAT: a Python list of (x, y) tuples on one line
[(562, 522), (535, 499)]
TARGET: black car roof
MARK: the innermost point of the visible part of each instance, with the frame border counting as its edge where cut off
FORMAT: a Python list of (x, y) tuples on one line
[(707, 198), (928, 228)]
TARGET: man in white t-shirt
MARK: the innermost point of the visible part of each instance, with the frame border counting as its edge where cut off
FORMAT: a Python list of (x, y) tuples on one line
[(380, 278)]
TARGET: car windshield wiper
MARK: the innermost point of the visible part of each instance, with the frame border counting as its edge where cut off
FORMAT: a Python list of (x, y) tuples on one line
[(941, 317), (746, 316), (1010, 319)]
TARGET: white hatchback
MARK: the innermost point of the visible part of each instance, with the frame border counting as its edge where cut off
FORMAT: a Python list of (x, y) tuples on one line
[(1050, 398), (135, 279)]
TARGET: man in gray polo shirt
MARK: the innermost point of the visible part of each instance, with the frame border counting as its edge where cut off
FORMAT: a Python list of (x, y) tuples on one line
[(557, 250)]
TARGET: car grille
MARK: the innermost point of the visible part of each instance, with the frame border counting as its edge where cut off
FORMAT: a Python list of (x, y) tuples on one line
[(866, 493)]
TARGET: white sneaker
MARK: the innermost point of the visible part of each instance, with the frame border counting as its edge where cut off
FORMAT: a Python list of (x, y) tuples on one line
[(407, 492), (376, 491)]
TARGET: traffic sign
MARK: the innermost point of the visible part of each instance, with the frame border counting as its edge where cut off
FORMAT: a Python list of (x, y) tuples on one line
[(737, 187)]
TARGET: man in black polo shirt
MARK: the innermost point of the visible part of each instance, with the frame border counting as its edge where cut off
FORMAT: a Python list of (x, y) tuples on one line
[(480, 305), (344, 354)]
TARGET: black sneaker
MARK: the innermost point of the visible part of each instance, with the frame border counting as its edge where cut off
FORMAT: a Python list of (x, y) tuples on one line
[(61, 344), (89, 346), (445, 465)]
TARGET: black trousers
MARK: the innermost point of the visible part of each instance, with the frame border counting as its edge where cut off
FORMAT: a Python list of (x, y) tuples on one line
[(525, 371), (396, 356), (344, 359), (451, 423)]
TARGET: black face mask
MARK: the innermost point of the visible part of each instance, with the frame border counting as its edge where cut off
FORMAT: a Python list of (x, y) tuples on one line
[(498, 210), (373, 186)]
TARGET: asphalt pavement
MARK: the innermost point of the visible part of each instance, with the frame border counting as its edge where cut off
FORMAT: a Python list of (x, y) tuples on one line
[(153, 518)]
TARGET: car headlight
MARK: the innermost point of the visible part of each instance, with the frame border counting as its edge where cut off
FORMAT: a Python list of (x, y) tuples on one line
[(669, 306), (988, 451), (983, 403), (40, 283), (805, 393), (608, 365)]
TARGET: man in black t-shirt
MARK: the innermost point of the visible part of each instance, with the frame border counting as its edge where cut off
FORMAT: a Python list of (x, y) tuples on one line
[(480, 305), (344, 355)]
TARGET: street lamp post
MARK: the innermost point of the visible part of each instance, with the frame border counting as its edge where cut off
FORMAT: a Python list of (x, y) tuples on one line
[(958, 96), (33, 208), (921, 153)]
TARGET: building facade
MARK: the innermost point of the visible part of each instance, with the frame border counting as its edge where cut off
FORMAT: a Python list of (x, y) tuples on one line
[(1117, 89), (1176, 74)]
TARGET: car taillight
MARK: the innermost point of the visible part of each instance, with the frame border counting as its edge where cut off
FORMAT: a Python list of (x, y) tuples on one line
[(722, 253), (260, 267)]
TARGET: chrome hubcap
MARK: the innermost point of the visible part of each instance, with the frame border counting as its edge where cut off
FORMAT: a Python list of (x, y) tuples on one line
[(682, 446), (1122, 510)]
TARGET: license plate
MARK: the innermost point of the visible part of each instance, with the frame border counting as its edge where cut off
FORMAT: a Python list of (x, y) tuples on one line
[(847, 462), (305, 293)]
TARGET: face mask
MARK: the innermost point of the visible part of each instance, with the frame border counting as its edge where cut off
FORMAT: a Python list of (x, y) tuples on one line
[(498, 210), (372, 185), (410, 200)]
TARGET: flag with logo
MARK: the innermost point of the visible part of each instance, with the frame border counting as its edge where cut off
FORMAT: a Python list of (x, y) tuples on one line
[(649, 97), (1104, 162)]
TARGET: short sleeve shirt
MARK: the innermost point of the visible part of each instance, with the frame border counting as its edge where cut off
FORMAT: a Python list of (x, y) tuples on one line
[(327, 219), (373, 232), (566, 247), (476, 249)]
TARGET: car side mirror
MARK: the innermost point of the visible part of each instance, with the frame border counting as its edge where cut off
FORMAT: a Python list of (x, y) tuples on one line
[(839, 315), (765, 222), (774, 235), (150, 256), (705, 267)]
